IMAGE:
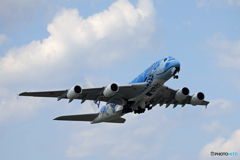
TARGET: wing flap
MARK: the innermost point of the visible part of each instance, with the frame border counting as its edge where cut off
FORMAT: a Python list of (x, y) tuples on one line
[(80, 117)]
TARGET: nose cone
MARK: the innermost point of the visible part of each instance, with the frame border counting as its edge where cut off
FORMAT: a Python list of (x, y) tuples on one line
[(175, 63), (172, 63)]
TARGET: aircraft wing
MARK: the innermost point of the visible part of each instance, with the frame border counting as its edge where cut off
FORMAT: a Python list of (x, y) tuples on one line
[(124, 93), (166, 96)]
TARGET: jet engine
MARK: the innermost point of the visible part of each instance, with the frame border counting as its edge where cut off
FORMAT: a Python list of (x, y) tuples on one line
[(182, 94), (74, 92), (197, 98), (110, 90)]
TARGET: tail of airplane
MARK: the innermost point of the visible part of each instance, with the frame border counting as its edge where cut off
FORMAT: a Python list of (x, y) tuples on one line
[(94, 105), (89, 117)]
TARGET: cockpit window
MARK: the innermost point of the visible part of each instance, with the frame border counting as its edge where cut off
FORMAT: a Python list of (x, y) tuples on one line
[(171, 59), (165, 59)]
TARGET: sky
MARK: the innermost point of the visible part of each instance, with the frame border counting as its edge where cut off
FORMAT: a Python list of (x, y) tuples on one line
[(54, 45)]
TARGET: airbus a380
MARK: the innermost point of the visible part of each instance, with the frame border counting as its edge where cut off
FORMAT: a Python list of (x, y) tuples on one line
[(144, 92)]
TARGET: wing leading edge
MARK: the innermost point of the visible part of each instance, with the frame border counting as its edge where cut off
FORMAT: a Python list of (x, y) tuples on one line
[(124, 93)]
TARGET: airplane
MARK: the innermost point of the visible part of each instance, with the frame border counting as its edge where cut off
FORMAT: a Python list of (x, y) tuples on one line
[(144, 92)]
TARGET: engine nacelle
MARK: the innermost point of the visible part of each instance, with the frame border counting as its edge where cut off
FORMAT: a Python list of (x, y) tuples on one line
[(74, 92), (197, 98), (182, 94), (110, 90)]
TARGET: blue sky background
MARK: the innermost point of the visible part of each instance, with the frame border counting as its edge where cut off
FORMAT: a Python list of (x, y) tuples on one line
[(53, 45)]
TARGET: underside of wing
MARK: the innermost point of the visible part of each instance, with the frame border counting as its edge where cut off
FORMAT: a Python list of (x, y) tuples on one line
[(124, 93), (44, 94), (167, 96)]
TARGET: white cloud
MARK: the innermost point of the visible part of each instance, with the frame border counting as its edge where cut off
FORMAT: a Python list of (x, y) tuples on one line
[(227, 52), (227, 55), (215, 127), (75, 43), (139, 137), (222, 145), (99, 140), (217, 3), (219, 107), (97, 80), (16, 110), (215, 108), (3, 39)]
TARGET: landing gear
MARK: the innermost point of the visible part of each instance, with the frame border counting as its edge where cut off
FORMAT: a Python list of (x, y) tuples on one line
[(127, 108), (149, 107), (175, 71), (175, 77), (139, 110)]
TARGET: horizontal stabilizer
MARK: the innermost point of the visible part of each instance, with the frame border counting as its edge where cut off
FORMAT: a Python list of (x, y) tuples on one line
[(118, 120), (80, 117)]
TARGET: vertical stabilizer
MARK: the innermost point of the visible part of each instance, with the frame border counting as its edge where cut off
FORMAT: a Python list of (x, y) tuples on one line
[(94, 105)]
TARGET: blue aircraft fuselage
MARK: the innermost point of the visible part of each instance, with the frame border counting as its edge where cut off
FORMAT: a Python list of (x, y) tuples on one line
[(155, 76)]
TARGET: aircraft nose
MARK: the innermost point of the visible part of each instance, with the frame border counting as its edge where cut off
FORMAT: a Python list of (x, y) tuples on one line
[(176, 64), (173, 63)]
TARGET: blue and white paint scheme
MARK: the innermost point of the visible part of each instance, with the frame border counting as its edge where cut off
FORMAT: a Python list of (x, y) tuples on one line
[(144, 92), (155, 76)]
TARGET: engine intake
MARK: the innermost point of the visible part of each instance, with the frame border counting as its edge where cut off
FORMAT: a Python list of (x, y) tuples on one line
[(197, 98), (110, 90), (74, 92), (182, 94)]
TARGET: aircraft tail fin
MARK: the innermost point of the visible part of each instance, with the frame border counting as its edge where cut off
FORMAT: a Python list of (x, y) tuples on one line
[(94, 105)]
